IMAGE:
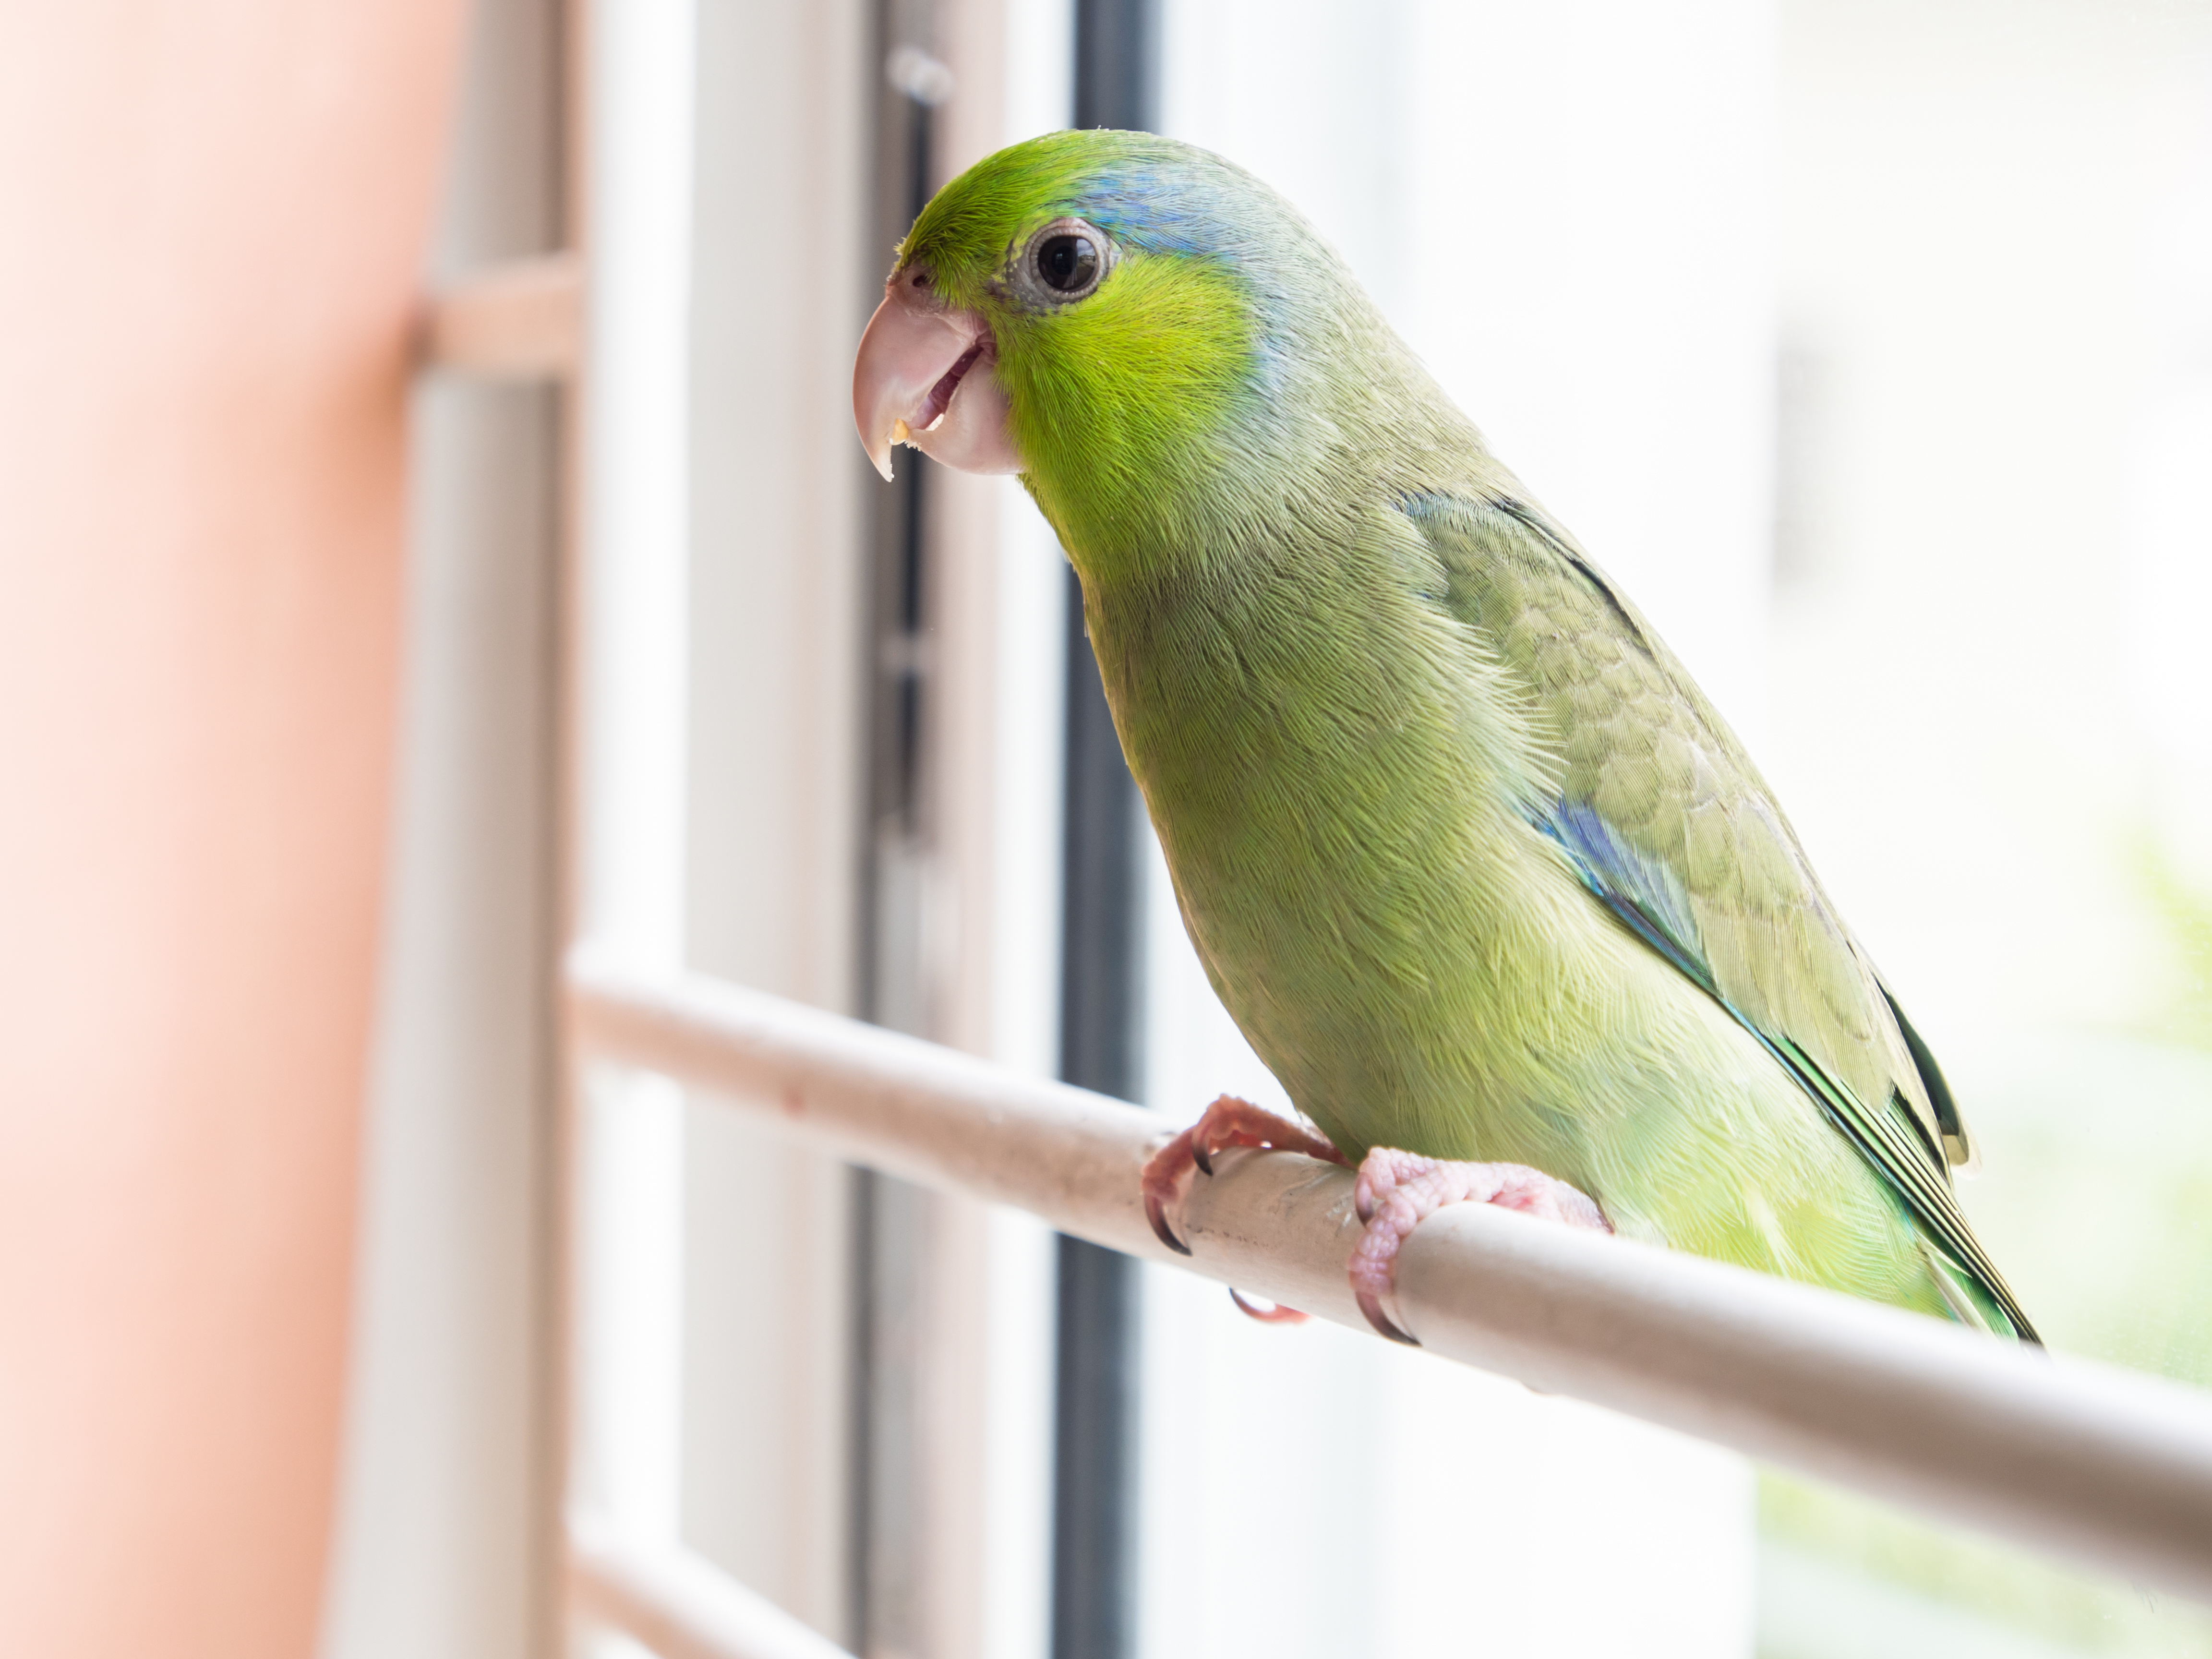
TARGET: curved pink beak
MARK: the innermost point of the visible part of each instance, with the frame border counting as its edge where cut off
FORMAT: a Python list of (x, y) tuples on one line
[(923, 376)]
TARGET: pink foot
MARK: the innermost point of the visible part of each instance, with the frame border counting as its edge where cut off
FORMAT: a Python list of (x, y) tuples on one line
[(1397, 1191), (1228, 1122)]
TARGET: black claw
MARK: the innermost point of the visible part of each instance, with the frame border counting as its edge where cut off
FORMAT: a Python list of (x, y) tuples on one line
[(1275, 1314), (1201, 1157), (1381, 1320), (1156, 1212)]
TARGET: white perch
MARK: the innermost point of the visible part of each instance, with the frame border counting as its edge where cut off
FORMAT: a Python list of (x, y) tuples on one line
[(2107, 1466)]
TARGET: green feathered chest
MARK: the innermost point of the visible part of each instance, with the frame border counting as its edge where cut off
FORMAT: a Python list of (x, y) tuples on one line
[(1338, 771)]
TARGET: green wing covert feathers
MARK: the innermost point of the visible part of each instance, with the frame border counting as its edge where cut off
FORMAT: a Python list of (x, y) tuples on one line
[(1670, 824)]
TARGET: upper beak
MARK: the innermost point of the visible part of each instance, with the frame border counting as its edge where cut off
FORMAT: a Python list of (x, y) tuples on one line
[(923, 376)]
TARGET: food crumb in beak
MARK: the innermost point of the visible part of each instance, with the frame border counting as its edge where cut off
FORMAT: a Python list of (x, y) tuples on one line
[(899, 433)]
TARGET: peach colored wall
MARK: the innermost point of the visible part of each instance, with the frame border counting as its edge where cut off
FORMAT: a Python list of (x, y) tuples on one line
[(209, 223)]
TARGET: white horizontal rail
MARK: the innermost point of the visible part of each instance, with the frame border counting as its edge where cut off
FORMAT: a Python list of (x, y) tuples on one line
[(2105, 1465), (523, 321), (679, 1605)]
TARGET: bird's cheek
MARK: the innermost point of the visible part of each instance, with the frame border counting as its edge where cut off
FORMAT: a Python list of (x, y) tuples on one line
[(972, 434)]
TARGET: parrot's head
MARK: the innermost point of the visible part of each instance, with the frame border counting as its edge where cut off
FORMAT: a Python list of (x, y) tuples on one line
[(1134, 324)]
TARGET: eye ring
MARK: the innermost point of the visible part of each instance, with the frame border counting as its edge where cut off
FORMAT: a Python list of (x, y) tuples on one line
[(1065, 261)]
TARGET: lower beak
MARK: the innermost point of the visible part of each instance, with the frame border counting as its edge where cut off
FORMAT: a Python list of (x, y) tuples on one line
[(926, 375)]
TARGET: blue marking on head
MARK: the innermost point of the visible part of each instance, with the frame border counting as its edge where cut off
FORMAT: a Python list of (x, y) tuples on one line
[(1164, 209), (1190, 205)]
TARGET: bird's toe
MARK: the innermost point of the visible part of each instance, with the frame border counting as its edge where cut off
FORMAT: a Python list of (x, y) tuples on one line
[(1397, 1190), (1229, 1121)]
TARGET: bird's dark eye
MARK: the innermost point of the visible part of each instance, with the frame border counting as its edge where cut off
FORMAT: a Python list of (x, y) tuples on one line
[(1062, 262), (1067, 264)]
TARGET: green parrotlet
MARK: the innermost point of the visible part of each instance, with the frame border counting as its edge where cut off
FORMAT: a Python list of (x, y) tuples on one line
[(1484, 880)]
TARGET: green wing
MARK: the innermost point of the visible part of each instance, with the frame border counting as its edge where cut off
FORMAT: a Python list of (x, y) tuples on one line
[(1669, 824)]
